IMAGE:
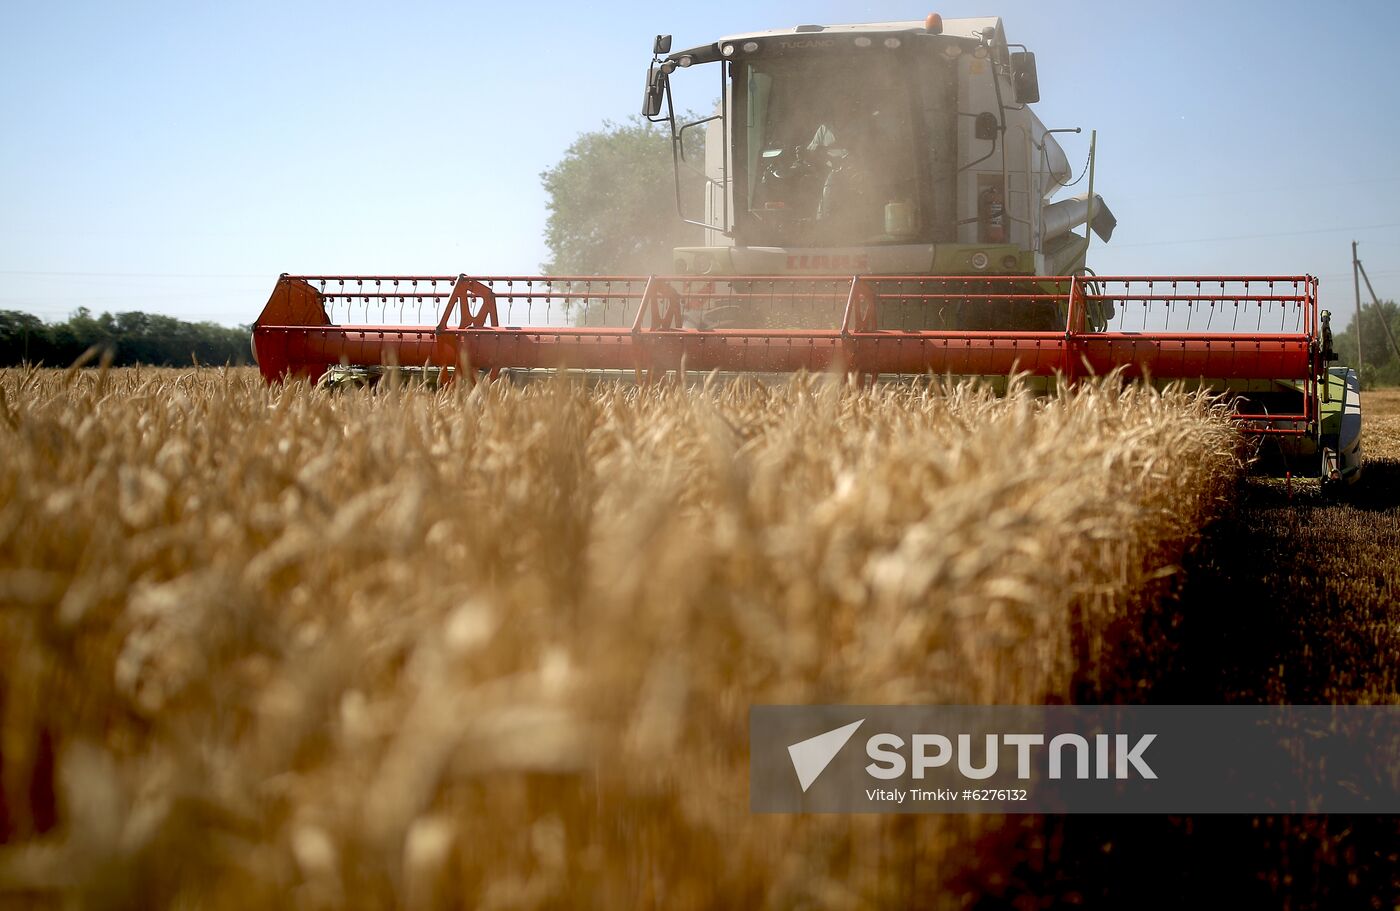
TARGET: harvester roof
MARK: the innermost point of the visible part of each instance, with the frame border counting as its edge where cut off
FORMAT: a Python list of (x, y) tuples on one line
[(966, 29), (956, 28)]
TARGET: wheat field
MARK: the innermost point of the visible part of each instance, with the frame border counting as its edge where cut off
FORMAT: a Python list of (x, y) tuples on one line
[(496, 646)]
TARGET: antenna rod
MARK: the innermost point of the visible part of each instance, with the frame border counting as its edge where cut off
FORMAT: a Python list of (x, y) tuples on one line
[(1089, 224), (1356, 283)]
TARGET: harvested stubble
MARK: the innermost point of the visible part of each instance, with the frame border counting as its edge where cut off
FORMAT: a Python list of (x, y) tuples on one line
[(1382, 414), (496, 647), (1292, 597)]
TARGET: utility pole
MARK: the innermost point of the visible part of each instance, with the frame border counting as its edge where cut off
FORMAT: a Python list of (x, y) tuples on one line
[(1380, 311), (1356, 283)]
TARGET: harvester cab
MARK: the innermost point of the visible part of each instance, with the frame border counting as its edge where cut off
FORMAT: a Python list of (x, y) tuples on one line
[(878, 201), (884, 148)]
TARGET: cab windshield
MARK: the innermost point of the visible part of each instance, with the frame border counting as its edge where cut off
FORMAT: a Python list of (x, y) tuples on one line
[(826, 151)]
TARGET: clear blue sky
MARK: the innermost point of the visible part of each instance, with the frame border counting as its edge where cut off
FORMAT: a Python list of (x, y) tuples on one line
[(175, 157)]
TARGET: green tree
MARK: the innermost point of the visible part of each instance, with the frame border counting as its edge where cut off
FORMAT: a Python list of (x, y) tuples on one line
[(132, 338), (1381, 364), (24, 334), (612, 201)]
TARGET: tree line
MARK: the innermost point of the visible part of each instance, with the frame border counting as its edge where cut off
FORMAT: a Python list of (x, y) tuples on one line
[(130, 338), (1380, 361)]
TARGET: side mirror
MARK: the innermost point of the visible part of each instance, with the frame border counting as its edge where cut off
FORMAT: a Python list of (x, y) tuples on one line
[(1024, 81), (662, 45), (986, 126), (655, 92)]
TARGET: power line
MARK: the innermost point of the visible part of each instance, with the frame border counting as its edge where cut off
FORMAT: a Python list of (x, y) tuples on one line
[(1250, 237), (136, 274), (1255, 190)]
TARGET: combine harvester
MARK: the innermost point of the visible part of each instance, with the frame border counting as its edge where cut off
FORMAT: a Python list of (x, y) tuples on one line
[(876, 200)]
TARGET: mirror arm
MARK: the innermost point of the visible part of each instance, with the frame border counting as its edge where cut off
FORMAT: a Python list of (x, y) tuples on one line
[(677, 153)]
